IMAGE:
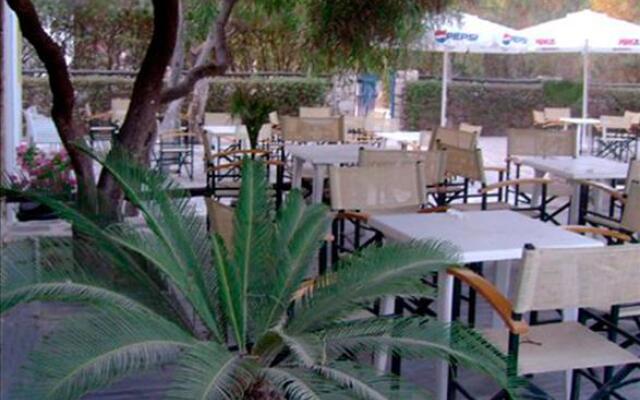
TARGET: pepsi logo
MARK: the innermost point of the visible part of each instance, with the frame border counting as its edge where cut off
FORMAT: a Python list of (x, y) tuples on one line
[(506, 39), (441, 36), (629, 42)]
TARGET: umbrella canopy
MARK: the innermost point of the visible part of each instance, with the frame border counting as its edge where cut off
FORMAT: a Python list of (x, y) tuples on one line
[(584, 30), (466, 33)]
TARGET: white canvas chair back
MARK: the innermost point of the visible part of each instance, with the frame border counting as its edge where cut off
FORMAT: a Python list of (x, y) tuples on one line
[(445, 137), (631, 215), (315, 112), (273, 118), (220, 220), (540, 142), (433, 162), (554, 114), (376, 123), (575, 278), (296, 129), (354, 123), (632, 117), (634, 172), (119, 108), (465, 163), (40, 129), (538, 117), (614, 123), (220, 119), (477, 129), (377, 188)]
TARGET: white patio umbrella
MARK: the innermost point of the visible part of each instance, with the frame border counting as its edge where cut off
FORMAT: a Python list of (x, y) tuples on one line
[(11, 102), (467, 34), (584, 32)]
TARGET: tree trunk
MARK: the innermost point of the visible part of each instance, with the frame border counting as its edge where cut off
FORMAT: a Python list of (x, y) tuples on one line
[(138, 130), (171, 119)]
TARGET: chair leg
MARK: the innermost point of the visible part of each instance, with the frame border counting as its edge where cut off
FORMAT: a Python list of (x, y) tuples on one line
[(575, 386), (614, 382)]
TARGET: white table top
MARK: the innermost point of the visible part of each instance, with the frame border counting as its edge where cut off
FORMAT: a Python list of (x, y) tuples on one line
[(400, 136), (581, 121), (578, 168), (480, 235), (326, 154), (222, 130)]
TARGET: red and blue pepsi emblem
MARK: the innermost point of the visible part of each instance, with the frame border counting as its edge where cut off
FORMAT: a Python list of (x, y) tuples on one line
[(441, 36), (506, 39)]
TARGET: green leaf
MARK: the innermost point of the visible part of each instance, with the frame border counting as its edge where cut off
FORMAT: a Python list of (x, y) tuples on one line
[(91, 352), (210, 371), (374, 273)]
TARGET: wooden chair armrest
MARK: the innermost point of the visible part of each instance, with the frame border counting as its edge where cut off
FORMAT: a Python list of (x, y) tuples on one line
[(513, 182), (238, 164), (309, 285), (431, 210), (601, 231), (355, 215), (495, 168), (496, 299), (230, 153), (550, 123), (611, 191)]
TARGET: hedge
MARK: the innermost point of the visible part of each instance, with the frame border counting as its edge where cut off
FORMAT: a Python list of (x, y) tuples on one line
[(499, 106), (286, 93)]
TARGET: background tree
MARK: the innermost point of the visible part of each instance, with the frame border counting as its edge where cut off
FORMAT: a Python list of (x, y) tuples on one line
[(351, 44)]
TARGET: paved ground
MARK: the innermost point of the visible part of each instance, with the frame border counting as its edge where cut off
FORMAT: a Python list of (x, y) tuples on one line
[(23, 328)]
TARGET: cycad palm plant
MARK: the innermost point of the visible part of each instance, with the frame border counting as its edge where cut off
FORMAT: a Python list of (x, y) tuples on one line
[(224, 318)]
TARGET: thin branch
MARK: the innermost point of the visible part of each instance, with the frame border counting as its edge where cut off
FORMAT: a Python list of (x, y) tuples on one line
[(222, 57)]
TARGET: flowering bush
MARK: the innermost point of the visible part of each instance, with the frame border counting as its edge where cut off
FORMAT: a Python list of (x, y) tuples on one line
[(42, 171)]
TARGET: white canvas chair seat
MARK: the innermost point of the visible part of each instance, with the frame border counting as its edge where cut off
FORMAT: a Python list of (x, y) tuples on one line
[(554, 114), (560, 347), (433, 162), (445, 137)]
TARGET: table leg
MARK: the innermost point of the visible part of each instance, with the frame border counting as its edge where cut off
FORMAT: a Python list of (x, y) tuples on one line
[(574, 207), (537, 193), (318, 183), (296, 179), (381, 358), (569, 314), (503, 281), (445, 302)]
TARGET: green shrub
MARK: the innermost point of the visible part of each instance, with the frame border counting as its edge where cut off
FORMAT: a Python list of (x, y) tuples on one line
[(287, 93), (421, 103), (561, 93)]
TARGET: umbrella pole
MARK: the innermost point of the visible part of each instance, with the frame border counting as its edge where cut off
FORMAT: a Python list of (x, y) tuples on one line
[(445, 83), (586, 79)]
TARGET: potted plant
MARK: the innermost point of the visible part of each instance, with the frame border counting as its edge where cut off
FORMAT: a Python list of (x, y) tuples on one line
[(252, 108), (45, 172)]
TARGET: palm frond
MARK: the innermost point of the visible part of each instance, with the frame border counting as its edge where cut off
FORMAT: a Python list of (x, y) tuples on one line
[(300, 232), (376, 272), (418, 337), (252, 259), (301, 384), (91, 352), (210, 371), (366, 384)]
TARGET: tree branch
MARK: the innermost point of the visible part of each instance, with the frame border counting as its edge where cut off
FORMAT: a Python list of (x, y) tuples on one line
[(222, 57)]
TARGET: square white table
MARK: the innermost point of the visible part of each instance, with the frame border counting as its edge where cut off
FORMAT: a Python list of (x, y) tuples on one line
[(237, 132), (480, 236), (404, 138), (575, 169), (320, 156)]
